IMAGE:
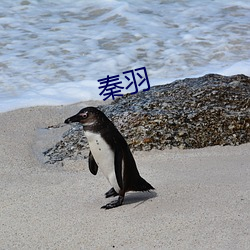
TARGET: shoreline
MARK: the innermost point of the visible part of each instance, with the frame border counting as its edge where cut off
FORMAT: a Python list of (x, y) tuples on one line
[(201, 197)]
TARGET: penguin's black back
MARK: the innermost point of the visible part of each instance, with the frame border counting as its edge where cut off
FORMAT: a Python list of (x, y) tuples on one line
[(132, 180)]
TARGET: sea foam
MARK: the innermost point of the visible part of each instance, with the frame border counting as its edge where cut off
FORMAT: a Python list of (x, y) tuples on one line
[(53, 53)]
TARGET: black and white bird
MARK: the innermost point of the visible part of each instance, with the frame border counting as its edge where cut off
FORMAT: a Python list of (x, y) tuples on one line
[(110, 152)]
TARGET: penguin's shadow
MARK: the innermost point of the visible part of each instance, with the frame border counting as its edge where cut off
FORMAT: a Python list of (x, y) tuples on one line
[(137, 198)]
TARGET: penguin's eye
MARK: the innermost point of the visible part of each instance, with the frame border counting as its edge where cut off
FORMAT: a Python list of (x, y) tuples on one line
[(84, 115)]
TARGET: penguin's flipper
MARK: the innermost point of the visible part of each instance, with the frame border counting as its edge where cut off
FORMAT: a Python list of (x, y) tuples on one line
[(118, 166), (111, 193), (93, 167)]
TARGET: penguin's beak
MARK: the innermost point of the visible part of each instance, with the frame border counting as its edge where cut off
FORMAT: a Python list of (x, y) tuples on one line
[(74, 118)]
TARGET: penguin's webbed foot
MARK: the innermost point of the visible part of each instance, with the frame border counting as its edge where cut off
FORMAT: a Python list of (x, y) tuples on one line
[(113, 204), (111, 193)]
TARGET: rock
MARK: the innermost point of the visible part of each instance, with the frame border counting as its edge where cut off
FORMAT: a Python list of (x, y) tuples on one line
[(190, 113)]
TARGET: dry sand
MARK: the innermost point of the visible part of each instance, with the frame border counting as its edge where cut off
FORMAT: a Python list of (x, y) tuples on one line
[(201, 201)]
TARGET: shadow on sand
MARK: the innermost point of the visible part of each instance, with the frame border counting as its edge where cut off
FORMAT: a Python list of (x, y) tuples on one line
[(138, 198)]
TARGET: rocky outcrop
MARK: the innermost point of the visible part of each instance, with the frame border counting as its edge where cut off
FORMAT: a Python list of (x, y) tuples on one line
[(190, 113)]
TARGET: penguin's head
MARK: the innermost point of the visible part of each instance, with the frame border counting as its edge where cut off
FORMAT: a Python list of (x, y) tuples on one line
[(88, 117)]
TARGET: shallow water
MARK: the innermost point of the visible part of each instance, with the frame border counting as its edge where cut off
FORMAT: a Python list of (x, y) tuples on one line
[(54, 52)]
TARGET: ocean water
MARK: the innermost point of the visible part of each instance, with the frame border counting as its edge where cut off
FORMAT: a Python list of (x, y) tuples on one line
[(53, 52)]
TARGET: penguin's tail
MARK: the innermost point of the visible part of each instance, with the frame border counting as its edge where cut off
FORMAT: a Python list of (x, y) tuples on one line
[(141, 185)]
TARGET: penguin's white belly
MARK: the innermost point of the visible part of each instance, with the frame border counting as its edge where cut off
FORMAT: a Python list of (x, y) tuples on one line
[(104, 157)]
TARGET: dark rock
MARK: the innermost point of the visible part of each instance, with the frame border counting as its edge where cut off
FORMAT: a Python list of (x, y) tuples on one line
[(190, 113)]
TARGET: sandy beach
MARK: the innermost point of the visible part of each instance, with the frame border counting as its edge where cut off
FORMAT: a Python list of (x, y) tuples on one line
[(201, 198)]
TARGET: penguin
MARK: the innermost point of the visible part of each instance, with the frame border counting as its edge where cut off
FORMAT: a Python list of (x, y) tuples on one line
[(110, 152)]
